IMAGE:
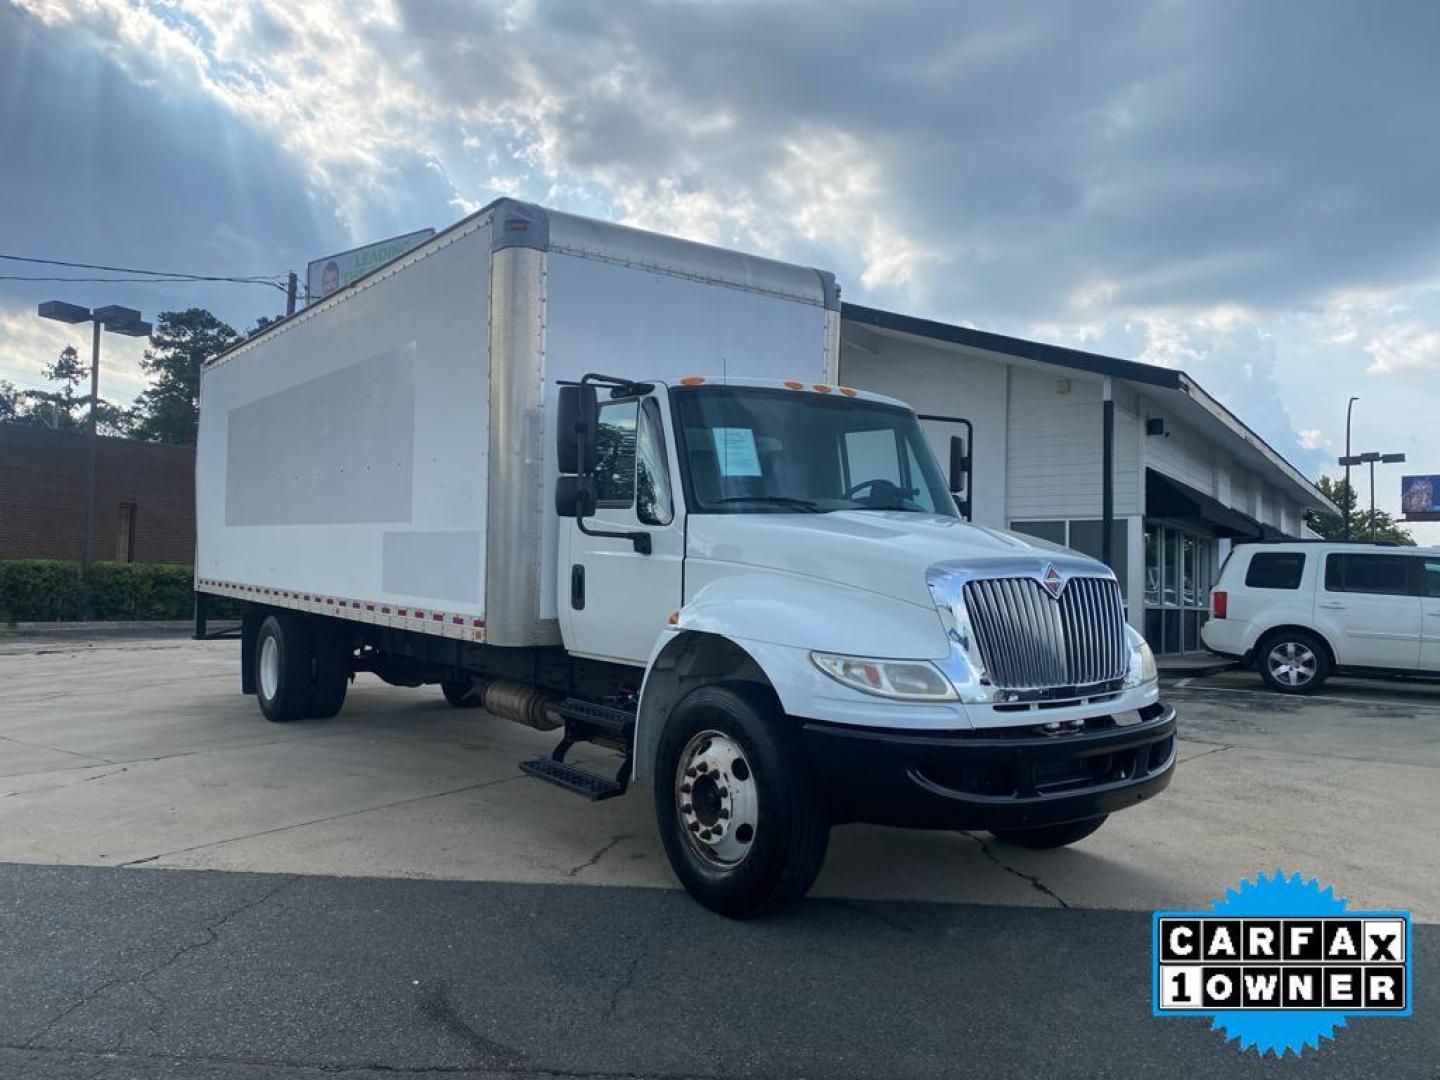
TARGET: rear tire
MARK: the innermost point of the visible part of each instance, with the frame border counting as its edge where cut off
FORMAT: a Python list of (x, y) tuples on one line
[(1293, 661), (332, 673), (462, 695), (1050, 836), (742, 822), (284, 652)]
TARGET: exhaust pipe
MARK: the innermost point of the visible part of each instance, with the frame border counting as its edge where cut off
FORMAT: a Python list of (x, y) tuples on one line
[(517, 701)]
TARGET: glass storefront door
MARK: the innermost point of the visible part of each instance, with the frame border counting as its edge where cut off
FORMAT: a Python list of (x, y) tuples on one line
[(1179, 570)]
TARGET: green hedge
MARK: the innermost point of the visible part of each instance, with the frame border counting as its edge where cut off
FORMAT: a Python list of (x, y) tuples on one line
[(51, 590)]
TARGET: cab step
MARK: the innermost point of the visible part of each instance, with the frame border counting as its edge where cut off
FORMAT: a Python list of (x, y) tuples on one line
[(584, 718), (591, 785)]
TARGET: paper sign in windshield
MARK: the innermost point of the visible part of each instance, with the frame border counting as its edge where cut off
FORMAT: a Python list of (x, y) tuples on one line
[(735, 449)]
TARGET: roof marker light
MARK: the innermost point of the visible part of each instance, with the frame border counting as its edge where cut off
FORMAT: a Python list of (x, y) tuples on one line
[(692, 380), (794, 385), (821, 388), (847, 391)]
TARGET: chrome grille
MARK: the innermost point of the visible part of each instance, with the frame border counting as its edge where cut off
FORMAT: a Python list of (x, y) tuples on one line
[(1028, 641)]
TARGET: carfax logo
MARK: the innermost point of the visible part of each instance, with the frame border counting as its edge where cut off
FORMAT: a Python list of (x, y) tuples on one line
[(1280, 964)]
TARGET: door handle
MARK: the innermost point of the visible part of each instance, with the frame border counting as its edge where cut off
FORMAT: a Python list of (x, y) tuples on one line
[(1332, 605)]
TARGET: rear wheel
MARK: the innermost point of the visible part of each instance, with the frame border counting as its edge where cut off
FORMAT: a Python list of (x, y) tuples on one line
[(1293, 662), (462, 695), (332, 673), (742, 823), (283, 656), (1050, 836)]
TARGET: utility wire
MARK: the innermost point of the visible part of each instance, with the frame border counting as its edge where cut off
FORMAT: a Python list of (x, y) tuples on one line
[(187, 280), (174, 275)]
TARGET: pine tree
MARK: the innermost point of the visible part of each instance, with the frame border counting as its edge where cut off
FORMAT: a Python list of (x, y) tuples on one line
[(169, 412)]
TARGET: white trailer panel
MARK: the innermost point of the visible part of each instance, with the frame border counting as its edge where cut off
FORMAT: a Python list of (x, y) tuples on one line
[(366, 458)]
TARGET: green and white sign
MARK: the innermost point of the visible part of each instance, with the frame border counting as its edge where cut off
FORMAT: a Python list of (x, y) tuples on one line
[(325, 275)]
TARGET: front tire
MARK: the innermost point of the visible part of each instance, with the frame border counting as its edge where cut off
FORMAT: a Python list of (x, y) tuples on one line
[(1050, 836), (1293, 662), (284, 652), (742, 823)]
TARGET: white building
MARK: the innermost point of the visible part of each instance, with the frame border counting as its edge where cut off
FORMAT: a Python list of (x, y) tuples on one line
[(1186, 476)]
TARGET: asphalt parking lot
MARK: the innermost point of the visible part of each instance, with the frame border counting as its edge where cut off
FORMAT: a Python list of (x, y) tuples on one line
[(395, 895)]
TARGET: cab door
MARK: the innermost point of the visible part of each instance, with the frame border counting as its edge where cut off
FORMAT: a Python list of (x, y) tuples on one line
[(615, 598), (1430, 604), (1368, 605)]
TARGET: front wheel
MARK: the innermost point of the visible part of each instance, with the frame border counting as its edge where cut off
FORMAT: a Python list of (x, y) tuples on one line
[(1050, 836), (742, 823), (1293, 662)]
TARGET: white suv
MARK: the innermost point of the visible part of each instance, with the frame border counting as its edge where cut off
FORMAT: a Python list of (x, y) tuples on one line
[(1302, 611)]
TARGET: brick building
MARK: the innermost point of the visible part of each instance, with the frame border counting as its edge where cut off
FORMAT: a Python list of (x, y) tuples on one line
[(144, 498)]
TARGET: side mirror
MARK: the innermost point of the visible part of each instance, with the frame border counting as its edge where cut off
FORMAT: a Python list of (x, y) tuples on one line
[(575, 430), (575, 496)]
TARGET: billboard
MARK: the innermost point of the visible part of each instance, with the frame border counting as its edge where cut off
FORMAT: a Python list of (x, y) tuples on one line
[(1420, 498), (325, 275)]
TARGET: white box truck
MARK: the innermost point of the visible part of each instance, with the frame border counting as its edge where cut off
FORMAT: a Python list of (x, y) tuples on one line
[(602, 481)]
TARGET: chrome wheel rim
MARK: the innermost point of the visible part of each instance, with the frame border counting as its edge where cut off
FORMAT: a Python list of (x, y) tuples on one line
[(716, 799), (1292, 663), (269, 668)]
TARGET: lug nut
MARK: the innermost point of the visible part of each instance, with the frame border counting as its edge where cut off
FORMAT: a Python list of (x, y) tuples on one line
[(690, 772), (685, 808), (724, 812), (694, 826), (684, 789), (702, 766)]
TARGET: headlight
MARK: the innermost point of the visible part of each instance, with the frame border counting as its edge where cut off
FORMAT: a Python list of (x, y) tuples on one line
[(909, 680), (1142, 659)]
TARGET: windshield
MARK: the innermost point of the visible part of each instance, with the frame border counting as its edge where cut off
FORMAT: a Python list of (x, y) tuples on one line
[(754, 450)]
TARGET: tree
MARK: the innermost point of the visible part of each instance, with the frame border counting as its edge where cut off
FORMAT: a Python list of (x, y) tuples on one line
[(169, 411), (1332, 527), (61, 409)]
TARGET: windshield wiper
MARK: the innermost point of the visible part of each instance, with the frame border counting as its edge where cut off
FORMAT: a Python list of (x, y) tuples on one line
[(784, 500)]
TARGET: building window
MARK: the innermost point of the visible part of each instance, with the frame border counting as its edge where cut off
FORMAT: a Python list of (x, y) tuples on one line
[(125, 534), (1179, 570)]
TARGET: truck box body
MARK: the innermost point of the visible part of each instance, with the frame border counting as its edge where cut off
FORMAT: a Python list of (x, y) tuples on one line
[(384, 455)]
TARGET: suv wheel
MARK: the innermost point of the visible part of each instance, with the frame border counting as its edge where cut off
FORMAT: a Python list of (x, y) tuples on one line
[(1293, 662)]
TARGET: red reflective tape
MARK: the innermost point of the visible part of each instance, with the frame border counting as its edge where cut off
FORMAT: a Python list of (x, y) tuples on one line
[(419, 614), (477, 622), (437, 615), (355, 603), (457, 620), (401, 611), (385, 611)]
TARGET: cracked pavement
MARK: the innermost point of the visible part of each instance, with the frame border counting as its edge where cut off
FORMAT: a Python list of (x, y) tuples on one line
[(398, 898)]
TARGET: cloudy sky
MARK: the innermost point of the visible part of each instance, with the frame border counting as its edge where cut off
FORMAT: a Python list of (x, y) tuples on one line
[(1244, 190)]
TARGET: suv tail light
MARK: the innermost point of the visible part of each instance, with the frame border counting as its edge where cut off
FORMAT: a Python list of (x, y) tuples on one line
[(1219, 600)]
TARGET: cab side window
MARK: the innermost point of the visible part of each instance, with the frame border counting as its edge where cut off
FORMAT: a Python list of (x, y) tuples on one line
[(1383, 575), (615, 467), (654, 504)]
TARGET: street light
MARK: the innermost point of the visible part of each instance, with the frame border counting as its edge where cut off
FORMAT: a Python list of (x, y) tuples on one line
[(117, 320), (1370, 457), (1348, 406)]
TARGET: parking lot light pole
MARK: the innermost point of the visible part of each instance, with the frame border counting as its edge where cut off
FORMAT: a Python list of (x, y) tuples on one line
[(1345, 511), (1370, 457), (117, 320)]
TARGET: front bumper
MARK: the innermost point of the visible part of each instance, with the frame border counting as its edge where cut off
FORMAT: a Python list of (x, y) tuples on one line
[(992, 779)]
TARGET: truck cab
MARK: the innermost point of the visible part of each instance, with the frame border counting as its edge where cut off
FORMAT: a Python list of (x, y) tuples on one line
[(819, 630)]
